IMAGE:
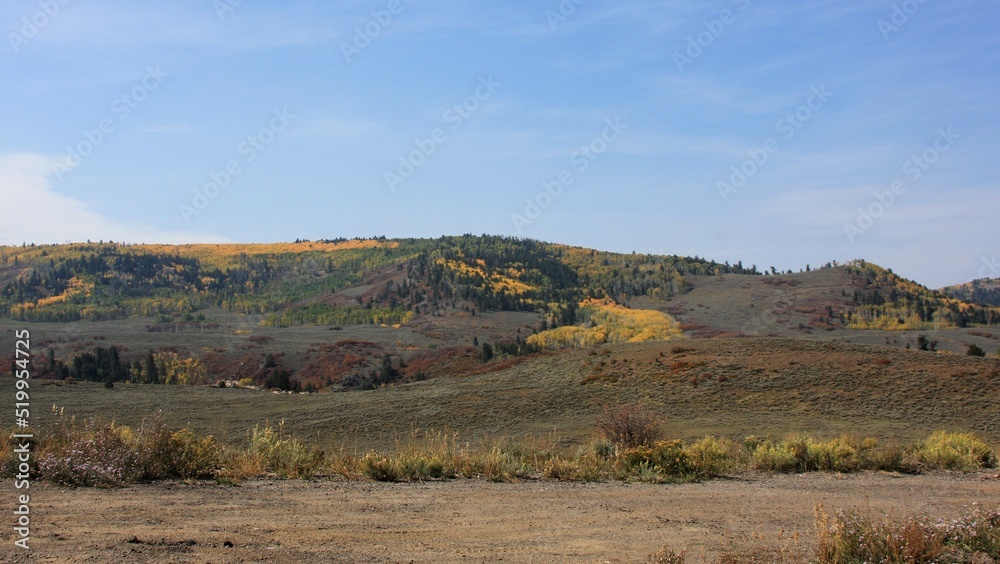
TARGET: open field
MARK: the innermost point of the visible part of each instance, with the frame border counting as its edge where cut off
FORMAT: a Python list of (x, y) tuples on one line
[(730, 387), (465, 520)]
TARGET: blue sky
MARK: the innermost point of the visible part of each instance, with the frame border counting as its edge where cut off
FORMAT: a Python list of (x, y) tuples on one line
[(780, 134)]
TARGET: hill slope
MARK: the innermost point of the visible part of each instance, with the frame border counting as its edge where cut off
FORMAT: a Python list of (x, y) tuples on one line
[(984, 290), (361, 313), (724, 386)]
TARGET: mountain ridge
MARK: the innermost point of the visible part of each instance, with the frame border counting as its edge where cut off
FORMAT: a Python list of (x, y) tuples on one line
[(298, 283)]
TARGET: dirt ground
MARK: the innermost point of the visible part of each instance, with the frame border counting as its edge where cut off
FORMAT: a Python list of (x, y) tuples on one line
[(461, 520)]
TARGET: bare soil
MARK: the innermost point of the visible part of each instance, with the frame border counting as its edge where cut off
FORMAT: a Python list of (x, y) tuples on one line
[(463, 520)]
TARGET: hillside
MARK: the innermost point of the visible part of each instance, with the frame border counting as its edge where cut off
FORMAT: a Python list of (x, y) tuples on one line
[(362, 313), (983, 290), (731, 387), (101, 281)]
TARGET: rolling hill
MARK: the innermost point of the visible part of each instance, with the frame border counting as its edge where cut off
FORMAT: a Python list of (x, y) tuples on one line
[(492, 335), (983, 290)]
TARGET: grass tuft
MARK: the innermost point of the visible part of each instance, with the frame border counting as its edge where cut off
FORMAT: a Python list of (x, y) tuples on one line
[(89, 453), (856, 536)]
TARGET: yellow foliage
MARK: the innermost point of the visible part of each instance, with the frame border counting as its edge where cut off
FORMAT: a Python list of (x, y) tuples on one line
[(499, 281), (176, 370), (887, 322), (610, 323), (51, 300), (76, 286)]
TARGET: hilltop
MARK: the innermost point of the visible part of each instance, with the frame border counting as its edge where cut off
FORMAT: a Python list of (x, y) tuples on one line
[(983, 290)]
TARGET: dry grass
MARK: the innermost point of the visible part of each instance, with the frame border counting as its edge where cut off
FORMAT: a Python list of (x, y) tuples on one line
[(834, 388), (89, 453), (860, 536)]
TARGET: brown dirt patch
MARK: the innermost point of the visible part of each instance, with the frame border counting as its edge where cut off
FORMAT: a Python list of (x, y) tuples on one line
[(460, 521)]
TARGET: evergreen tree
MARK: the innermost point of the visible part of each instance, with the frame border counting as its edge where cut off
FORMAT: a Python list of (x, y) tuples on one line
[(150, 375), (486, 353)]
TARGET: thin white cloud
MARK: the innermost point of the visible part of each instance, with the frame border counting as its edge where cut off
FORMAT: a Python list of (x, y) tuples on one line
[(34, 213)]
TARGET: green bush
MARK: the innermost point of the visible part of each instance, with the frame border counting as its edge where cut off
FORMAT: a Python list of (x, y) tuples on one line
[(956, 451), (771, 457), (379, 467), (664, 461), (421, 466), (837, 455), (711, 457), (804, 454), (287, 457), (499, 464), (193, 457)]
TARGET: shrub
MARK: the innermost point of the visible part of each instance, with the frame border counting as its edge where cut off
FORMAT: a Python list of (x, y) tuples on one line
[(955, 451), (711, 457), (421, 466), (667, 555), (670, 459), (630, 426), (804, 454), (892, 458), (975, 350), (558, 468), (501, 463), (631, 458), (113, 455), (379, 467), (924, 344), (593, 462), (94, 456), (859, 537), (770, 457), (837, 455), (193, 457), (666, 460), (272, 450)]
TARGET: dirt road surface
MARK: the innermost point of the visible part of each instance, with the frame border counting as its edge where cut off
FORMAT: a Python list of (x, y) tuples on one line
[(458, 521)]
